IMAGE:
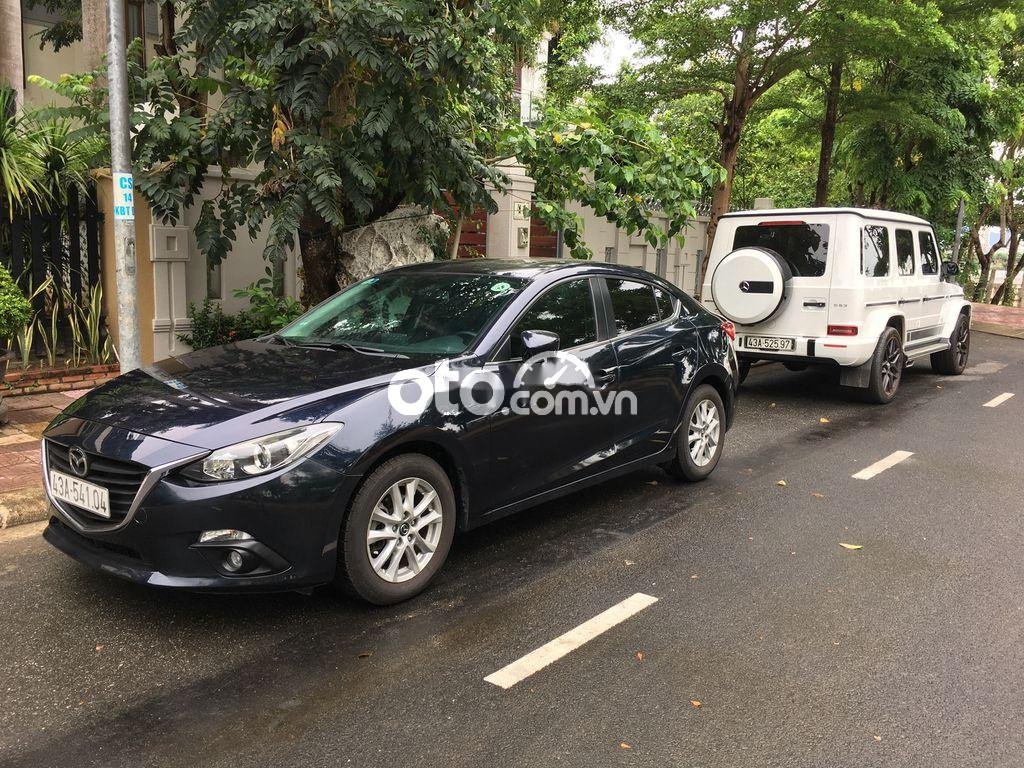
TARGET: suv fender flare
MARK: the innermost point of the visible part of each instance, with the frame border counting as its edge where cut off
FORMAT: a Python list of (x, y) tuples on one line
[(951, 312)]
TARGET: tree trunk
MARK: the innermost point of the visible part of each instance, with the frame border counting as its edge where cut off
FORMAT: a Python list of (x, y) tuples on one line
[(95, 33), (828, 132), (730, 132), (984, 261), (453, 249), (1013, 267), (12, 68), (321, 258)]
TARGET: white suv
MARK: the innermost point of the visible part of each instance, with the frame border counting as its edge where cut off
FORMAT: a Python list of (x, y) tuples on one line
[(863, 289)]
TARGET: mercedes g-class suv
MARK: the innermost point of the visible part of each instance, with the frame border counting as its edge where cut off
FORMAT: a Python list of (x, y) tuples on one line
[(861, 289)]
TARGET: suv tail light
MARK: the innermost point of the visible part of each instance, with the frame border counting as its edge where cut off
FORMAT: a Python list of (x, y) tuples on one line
[(842, 330), (730, 329)]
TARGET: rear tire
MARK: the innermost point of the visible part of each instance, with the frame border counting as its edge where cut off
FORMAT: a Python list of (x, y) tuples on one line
[(416, 526), (952, 361), (887, 365), (701, 436)]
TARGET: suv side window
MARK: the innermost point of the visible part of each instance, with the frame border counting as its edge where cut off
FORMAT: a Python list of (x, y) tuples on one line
[(929, 255), (874, 251), (905, 251), (566, 309), (633, 304)]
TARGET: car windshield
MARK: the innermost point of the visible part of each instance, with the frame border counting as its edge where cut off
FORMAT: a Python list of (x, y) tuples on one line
[(408, 313)]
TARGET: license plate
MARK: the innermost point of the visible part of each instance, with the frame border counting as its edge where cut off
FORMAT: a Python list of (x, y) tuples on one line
[(74, 490), (770, 342)]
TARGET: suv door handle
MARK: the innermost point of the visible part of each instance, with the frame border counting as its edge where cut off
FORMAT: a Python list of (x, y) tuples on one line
[(605, 376), (815, 304)]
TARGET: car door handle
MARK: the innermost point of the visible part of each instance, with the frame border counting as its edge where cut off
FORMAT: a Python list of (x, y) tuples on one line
[(815, 304), (605, 376)]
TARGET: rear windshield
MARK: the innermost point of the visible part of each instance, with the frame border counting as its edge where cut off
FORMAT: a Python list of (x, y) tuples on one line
[(803, 246)]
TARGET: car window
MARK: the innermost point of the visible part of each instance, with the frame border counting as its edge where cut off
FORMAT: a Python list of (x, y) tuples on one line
[(803, 246), (633, 304), (567, 310), (666, 306), (874, 251), (929, 254), (408, 312), (905, 251)]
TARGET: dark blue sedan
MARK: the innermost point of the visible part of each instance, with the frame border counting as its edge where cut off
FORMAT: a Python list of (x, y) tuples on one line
[(353, 444)]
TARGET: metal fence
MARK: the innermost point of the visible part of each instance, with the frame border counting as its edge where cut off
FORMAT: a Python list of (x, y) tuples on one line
[(63, 243)]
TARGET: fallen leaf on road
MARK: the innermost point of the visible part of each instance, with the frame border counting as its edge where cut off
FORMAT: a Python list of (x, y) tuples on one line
[(782, 483), (772, 405), (629, 562), (817, 495), (624, 745), (696, 703), (850, 546), (365, 654), (639, 655), (693, 575), (823, 420), (653, 482), (878, 738), (99, 648)]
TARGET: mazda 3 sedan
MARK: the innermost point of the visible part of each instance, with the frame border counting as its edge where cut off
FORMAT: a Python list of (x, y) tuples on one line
[(353, 444)]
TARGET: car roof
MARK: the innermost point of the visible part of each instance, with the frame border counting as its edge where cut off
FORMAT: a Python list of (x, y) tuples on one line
[(864, 213), (529, 269)]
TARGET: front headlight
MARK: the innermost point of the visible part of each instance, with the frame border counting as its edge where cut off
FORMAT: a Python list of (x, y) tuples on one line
[(261, 455)]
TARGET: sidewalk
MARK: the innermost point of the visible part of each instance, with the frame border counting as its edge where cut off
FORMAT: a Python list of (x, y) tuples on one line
[(21, 489), (1002, 321)]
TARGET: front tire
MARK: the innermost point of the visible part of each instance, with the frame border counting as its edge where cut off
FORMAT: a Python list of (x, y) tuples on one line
[(952, 361), (701, 436), (886, 367), (398, 531)]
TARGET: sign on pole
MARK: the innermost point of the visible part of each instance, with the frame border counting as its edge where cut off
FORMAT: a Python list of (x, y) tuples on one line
[(124, 200)]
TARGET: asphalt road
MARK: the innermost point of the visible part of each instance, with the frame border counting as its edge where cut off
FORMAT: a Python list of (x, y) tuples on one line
[(770, 644)]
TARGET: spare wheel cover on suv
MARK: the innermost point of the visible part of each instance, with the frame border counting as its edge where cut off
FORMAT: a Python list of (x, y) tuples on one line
[(749, 285)]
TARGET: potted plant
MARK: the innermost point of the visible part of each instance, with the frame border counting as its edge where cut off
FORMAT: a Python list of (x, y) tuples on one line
[(15, 311)]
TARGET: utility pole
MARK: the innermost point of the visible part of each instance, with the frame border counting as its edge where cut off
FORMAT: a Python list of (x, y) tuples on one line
[(123, 192)]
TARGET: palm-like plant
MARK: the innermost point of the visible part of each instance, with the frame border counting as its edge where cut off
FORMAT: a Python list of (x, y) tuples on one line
[(21, 162)]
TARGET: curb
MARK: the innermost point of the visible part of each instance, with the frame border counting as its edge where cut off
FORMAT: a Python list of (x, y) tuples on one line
[(25, 505), (998, 330)]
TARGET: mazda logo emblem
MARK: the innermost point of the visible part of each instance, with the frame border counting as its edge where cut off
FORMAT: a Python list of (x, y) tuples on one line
[(79, 461)]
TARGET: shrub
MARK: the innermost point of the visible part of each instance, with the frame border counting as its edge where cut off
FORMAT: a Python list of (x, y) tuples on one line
[(266, 314), (15, 310)]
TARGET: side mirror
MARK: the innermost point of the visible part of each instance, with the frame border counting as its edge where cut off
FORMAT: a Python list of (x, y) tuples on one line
[(538, 342), (950, 269)]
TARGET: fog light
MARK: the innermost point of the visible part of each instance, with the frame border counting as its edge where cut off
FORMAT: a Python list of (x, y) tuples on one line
[(223, 534), (233, 560)]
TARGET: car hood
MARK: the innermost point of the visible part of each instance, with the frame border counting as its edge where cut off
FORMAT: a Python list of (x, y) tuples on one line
[(222, 394)]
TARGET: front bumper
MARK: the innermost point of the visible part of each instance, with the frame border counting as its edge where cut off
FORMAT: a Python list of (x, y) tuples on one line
[(293, 516)]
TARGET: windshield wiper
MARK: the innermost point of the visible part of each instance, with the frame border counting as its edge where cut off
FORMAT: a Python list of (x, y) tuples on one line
[(279, 339), (371, 351)]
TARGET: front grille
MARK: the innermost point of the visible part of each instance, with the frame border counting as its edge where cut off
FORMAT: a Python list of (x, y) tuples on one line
[(121, 478)]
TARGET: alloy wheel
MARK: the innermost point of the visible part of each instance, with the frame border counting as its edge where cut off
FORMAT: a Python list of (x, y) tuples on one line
[(704, 433), (892, 366), (404, 529), (963, 344)]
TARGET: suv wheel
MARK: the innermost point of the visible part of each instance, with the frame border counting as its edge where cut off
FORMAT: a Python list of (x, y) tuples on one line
[(886, 367), (398, 531), (953, 361), (701, 436)]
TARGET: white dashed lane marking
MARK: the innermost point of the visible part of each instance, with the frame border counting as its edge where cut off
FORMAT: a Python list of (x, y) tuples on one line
[(880, 466), (536, 660), (997, 401)]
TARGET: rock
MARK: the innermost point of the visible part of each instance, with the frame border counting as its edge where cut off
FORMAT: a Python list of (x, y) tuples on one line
[(407, 235)]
